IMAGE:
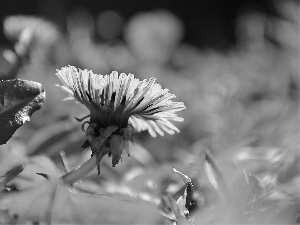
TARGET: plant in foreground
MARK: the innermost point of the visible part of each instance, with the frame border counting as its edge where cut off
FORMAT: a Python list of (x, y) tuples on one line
[(119, 106)]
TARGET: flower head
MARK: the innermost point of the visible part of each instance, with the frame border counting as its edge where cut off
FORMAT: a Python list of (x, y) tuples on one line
[(122, 101)]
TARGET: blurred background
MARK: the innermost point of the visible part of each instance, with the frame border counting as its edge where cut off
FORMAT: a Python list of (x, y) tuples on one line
[(206, 24), (235, 65)]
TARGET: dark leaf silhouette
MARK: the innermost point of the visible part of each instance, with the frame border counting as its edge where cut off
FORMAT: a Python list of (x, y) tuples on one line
[(19, 99)]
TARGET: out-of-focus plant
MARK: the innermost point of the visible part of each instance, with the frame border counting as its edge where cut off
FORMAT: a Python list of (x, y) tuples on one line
[(152, 37), (32, 37)]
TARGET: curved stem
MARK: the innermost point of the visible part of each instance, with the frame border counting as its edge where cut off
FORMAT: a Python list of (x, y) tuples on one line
[(89, 165), (80, 172)]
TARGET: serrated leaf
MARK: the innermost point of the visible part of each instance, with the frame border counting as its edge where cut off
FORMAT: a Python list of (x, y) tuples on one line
[(19, 99)]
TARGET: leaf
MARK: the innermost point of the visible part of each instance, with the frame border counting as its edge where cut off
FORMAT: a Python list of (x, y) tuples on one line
[(184, 202), (52, 202), (215, 176), (9, 175), (35, 170), (19, 99), (51, 139), (178, 217)]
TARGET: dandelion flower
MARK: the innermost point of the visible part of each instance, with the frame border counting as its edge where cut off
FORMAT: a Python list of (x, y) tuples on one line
[(122, 101)]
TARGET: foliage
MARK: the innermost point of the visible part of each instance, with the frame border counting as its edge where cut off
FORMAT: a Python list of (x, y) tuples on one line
[(20, 98)]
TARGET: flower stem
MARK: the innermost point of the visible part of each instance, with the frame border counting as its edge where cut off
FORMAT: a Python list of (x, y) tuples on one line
[(80, 172), (89, 165)]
